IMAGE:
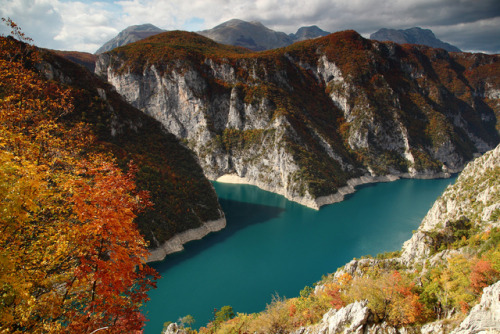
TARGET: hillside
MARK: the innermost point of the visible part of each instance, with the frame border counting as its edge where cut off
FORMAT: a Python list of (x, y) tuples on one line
[(445, 279), (314, 119), (414, 35), (183, 198)]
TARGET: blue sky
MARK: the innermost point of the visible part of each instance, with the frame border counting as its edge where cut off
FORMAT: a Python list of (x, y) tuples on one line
[(472, 25)]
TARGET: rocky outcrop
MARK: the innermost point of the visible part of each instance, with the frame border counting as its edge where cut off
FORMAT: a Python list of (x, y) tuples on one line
[(473, 196), (349, 319), (173, 328), (484, 317), (305, 122)]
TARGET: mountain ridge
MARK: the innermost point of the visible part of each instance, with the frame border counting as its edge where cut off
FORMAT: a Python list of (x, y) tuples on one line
[(414, 35), (252, 35), (183, 198), (315, 114)]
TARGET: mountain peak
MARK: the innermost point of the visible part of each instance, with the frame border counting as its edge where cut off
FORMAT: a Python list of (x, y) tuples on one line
[(415, 35), (252, 35), (129, 35), (309, 32)]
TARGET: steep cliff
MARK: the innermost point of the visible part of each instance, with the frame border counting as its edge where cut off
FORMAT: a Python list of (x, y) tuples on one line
[(184, 200), (313, 120), (434, 255)]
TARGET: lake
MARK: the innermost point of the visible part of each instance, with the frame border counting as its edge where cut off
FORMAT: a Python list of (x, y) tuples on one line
[(273, 246)]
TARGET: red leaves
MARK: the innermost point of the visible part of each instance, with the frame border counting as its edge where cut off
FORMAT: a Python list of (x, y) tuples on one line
[(482, 275)]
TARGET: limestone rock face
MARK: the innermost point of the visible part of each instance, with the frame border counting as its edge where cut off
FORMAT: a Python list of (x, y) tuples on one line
[(304, 123), (484, 317), (474, 195), (349, 319), (476, 191)]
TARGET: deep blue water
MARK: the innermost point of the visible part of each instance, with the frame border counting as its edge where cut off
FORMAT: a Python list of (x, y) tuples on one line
[(274, 246)]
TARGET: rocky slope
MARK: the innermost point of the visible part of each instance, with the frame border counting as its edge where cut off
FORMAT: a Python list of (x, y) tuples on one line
[(474, 197), (184, 200), (313, 120), (414, 35)]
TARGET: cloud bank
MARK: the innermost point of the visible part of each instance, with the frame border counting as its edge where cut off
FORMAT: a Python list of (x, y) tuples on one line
[(472, 25)]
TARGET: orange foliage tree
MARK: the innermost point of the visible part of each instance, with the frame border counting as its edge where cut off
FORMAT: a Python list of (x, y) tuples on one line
[(71, 257)]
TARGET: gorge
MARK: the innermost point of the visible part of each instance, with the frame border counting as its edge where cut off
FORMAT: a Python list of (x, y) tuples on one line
[(307, 120), (311, 123)]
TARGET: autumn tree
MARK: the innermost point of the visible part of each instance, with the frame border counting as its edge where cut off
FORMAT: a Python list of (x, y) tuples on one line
[(390, 297), (71, 258)]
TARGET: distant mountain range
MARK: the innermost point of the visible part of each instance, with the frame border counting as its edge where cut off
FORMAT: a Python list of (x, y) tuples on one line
[(414, 35), (252, 35), (257, 37)]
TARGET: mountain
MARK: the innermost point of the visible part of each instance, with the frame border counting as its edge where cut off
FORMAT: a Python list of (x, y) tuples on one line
[(305, 33), (184, 200), (414, 35), (252, 35), (129, 35), (255, 36), (315, 119)]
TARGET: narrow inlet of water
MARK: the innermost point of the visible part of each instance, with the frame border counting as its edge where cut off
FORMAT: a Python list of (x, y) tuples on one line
[(273, 246)]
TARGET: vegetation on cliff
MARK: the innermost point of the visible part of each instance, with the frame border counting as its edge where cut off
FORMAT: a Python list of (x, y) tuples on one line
[(183, 198), (344, 106)]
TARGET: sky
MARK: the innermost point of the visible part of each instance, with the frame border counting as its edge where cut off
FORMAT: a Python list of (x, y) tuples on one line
[(85, 25)]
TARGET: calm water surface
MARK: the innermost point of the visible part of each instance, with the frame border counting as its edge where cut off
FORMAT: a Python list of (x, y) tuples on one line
[(273, 246)]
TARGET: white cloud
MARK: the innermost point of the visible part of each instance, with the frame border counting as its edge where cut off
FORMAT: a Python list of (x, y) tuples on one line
[(38, 19), (87, 24)]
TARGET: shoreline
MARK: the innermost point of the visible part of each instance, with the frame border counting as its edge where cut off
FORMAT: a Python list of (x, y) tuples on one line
[(338, 196), (176, 243)]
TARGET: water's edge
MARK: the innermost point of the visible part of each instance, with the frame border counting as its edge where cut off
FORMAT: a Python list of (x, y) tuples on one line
[(339, 195), (176, 243)]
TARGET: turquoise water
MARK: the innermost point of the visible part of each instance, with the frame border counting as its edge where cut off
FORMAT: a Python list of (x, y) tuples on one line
[(273, 246)]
